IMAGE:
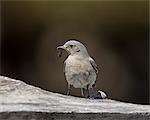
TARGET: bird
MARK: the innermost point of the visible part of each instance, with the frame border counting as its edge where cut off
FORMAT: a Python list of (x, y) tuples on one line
[(79, 68)]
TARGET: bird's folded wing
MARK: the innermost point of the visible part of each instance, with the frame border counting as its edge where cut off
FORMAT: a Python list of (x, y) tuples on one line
[(94, 65)]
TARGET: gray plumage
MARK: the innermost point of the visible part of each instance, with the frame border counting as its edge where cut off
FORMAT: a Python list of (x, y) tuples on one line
[(79, 68)]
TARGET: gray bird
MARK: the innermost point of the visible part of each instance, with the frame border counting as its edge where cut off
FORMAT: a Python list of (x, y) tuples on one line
[(79, 68)]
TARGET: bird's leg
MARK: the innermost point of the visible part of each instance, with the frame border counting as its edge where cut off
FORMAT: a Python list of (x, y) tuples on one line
[(82, 92), (88, 91), (69, 89)]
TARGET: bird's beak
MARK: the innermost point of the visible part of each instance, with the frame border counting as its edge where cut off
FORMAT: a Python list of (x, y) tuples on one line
[(61, 47), (59, 50)]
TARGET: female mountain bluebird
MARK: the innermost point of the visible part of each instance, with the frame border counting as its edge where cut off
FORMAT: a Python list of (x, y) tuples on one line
[(79, 68)]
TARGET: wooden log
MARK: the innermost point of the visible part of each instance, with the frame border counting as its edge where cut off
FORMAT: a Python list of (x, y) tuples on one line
[(20, 101)]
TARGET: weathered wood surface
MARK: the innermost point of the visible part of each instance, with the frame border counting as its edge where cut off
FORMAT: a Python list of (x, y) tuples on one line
[(20, 101)]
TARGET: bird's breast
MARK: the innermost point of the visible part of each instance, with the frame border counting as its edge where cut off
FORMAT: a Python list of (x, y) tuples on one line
[(79, 72), (77, 65)]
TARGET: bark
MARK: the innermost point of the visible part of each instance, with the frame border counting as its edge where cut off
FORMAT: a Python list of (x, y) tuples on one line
[(20, 101)]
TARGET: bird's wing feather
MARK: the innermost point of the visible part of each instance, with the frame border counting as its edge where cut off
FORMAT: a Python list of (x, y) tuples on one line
[(94, 65)]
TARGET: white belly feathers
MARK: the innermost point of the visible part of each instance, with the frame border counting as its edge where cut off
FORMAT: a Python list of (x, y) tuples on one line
[(79, 72)]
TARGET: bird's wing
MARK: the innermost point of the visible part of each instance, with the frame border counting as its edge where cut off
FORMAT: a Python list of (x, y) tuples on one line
[(94, 65)]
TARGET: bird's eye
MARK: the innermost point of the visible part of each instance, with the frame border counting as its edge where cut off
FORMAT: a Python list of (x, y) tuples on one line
[(71, 46)]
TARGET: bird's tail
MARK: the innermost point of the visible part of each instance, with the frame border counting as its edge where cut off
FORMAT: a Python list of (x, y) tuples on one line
[(85, 92)]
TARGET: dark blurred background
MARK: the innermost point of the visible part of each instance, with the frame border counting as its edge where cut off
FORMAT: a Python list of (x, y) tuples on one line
[(116, 34)]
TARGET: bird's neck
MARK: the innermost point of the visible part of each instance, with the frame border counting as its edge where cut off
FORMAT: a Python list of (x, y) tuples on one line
[(77, 57)]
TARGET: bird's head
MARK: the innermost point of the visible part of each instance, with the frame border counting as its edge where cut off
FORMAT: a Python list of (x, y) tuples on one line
[(74, 47)]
